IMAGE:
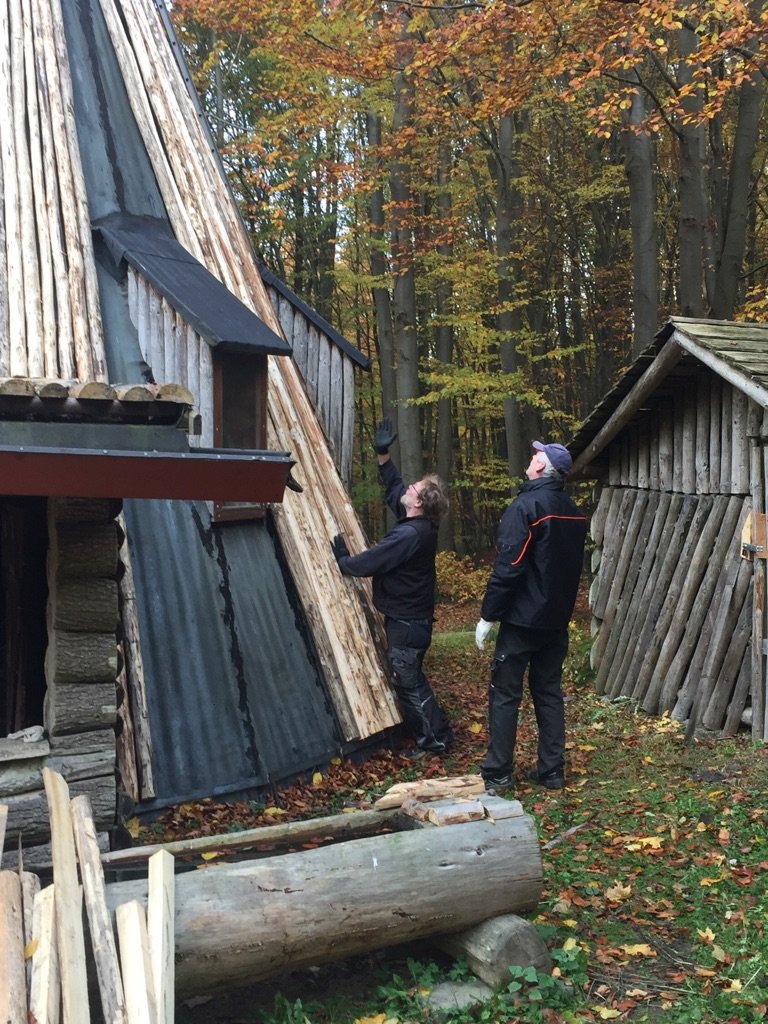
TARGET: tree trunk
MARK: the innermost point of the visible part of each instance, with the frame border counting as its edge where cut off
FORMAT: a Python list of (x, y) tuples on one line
[(692, 206), (404, 292), (444, 343), (639, 162), (243, 922), (381, 297), (506, 171), (737, 206)]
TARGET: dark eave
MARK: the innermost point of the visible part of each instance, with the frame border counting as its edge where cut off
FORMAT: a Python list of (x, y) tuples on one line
[(148, 245), (203, 474)]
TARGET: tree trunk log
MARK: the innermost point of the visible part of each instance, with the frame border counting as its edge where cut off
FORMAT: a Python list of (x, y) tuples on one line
[(492, 947), (240, 923), (80, 658), (85, 606)]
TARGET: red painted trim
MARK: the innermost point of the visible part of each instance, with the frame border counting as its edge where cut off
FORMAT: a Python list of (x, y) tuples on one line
[(84, 473)]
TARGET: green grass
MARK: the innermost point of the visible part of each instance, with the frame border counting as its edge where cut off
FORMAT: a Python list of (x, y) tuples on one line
[(655, 899)]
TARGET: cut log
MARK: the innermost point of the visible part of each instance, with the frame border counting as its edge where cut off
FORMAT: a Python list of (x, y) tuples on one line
[(85, 606), (492, 947), (80, 658), (240, 923), (28, 812), (13, 991), (84, 550), (160, 933), (75, 707)]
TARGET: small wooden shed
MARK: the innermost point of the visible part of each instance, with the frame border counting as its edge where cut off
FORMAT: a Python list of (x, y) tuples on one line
[(679, 449)]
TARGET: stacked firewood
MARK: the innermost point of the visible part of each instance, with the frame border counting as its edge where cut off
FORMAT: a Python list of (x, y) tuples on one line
[(48, 950)]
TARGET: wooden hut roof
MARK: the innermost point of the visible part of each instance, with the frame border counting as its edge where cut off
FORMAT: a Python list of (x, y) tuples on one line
[(737, 352)]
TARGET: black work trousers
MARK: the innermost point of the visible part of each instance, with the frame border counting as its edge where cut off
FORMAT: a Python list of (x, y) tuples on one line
[(542, 652), (407, 643)]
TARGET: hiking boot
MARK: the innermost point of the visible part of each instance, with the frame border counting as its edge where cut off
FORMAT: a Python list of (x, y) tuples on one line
[(498, 784), (553, 780)]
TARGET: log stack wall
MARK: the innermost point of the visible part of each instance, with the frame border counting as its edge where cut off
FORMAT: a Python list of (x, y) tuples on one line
[(81, 668), (674, 602)]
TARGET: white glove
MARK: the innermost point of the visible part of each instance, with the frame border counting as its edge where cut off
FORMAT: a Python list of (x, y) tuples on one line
[(481, 633)]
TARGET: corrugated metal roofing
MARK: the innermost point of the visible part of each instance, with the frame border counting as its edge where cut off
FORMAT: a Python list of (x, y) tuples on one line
[(235, 699), (216, 314)]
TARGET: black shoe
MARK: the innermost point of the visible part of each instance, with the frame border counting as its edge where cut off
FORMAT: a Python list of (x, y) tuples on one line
[(498, 784), (554, 780)]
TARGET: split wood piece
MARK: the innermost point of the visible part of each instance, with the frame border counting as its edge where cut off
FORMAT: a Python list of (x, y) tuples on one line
[(69, 903), (45, 988), (134, 959), (244, 922), (430, 789), (99, 920), (161, 913), (268, 839), (3, 823), (30, 887), (13, 992), (492, 947), (445, 812)]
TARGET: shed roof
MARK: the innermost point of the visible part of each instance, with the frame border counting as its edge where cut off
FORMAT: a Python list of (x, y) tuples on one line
[(737, 352)]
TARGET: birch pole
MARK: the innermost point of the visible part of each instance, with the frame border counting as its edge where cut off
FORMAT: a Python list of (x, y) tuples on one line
[(14, 350)]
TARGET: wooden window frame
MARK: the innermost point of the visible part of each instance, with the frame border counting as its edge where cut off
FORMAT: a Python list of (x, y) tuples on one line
[(256, 364)]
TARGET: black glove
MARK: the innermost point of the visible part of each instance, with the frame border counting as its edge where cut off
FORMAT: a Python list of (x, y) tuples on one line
[(339, 547), (385, 436)]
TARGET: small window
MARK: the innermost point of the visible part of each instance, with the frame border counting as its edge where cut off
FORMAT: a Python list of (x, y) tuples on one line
[(240, 417)]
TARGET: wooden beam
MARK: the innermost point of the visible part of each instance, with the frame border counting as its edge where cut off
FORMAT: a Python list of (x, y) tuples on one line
[(665, 361)]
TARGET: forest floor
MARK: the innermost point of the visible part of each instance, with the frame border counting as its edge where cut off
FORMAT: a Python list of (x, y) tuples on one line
[(655, 880)]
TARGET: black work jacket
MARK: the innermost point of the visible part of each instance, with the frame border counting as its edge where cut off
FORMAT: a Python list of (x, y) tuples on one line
[(402, 564), (539, 558)]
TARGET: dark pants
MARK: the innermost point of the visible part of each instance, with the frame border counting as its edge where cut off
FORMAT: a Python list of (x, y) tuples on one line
[(542, 652), (407, 643)]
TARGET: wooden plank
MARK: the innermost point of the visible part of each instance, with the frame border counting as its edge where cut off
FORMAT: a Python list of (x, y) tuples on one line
[(99, 919), (13, 991), (741, 693), (716, 703), (739, 443), (666, 445), (336, 403), (45, 988), (726, 439), (69, 922), (298, 339), (702, 432), (30, 887), (688, 450), (617, 518), (313, 362), (347, 422), (3, 824), (161, 913), (134, 959)]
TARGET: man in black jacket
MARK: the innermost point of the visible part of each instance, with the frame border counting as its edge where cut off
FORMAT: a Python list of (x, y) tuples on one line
[(402, 565), (531, 592)]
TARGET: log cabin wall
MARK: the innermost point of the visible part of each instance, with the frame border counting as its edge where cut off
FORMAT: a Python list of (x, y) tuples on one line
[(672, 597), (81, 667)]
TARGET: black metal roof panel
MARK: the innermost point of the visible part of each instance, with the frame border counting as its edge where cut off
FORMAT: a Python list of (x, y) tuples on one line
[(234, 696), (148, 245)]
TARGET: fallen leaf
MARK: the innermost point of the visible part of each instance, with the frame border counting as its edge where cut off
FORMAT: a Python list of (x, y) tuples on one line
[(210, 855), (317, 779), (617, 893), (639, 949), (475, 727), (606, 1013), (707, 934)]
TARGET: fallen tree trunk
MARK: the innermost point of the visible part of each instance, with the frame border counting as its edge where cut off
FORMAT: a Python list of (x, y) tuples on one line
[(242, 923)]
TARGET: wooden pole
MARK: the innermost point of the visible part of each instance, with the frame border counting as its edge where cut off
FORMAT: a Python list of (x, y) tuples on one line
[(134, 958), (45, 989), (13, 352), (161, 911)]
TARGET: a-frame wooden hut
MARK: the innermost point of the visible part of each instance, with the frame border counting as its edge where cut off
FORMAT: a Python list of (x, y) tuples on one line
[(132, 309), (680, 451)]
